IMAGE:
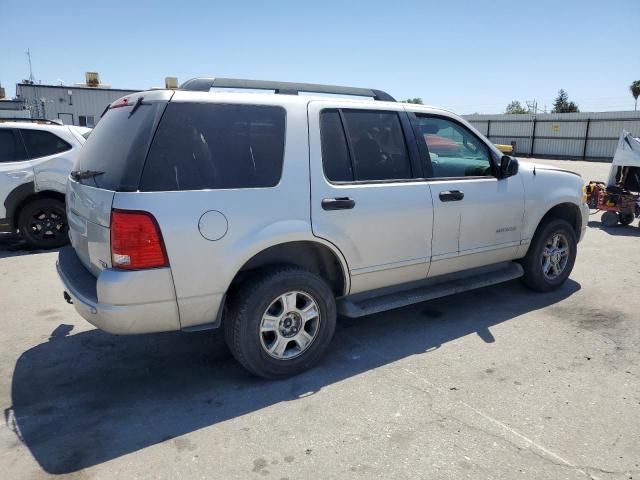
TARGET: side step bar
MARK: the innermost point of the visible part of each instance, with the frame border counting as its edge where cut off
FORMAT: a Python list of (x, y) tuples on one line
[(358, 308)]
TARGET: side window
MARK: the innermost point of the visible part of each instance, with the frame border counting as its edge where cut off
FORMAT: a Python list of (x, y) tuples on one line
[(11, 148), (40, 143), (454, 150), (377, 145), (206, 145), (335, 152)]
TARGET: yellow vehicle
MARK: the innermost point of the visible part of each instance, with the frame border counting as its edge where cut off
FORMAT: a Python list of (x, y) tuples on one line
[(504, 148)]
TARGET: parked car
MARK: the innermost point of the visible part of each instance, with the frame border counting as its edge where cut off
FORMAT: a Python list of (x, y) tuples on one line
[(270, 214), (35, 160)]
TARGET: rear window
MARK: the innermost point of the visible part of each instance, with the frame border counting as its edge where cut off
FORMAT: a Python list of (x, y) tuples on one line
[(215, 146), (41, 144), (118, 146)]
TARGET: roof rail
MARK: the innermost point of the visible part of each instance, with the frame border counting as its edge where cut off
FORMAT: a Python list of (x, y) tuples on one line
[(34, 120), (204, 84)]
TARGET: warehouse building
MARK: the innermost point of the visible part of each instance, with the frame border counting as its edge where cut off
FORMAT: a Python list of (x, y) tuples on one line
[(579, 136), (80, 104)]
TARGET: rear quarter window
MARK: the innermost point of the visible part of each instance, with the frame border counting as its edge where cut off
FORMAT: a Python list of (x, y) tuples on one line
[(216, 146)]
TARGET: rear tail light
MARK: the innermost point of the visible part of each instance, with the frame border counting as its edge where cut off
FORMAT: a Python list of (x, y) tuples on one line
[(122, 102), (136, 241)]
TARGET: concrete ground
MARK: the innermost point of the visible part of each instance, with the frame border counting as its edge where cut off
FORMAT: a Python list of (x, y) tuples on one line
[(498, 383)]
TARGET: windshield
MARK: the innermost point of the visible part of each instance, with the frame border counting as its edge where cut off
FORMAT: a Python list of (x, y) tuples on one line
[(118, 146)]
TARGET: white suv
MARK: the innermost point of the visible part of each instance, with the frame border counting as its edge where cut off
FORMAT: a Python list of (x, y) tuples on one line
[(269, 214), (36, 157)]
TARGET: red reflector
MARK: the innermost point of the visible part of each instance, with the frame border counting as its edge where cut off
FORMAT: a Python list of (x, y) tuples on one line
[(122, 102), (136, 241)]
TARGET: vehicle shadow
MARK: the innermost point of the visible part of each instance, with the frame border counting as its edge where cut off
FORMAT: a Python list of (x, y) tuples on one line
[(12, 245), (81, 400), (617, 231)]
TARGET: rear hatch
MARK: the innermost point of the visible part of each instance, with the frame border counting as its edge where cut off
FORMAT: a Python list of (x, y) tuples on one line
[(110, 161)]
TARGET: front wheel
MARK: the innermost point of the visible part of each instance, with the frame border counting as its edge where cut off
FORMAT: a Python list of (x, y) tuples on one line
[(43, 223), (551, 256), (280, 322)]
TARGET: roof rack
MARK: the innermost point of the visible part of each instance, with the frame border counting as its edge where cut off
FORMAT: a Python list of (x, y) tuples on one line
[(204, 84), (34, 120)]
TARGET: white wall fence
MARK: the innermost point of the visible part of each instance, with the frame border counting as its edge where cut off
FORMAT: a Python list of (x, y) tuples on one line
[(580, 136)]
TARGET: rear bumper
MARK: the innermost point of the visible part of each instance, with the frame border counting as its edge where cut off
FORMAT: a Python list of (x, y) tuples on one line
[(120, 302)]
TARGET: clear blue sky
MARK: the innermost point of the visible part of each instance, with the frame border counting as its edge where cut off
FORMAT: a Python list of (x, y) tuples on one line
[(464, 55)]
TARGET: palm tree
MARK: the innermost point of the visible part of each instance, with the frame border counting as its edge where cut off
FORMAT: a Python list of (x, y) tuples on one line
[(635, 91)]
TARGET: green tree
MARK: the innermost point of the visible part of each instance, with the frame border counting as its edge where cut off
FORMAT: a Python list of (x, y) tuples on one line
[(515, 107), (635, 91), (562, 104), (416, 100)]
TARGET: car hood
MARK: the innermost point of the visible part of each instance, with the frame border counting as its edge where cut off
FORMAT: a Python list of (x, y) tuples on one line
[(532, 166)]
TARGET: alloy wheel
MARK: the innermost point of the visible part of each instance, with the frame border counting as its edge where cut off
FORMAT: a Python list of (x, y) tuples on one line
[(289, 325)]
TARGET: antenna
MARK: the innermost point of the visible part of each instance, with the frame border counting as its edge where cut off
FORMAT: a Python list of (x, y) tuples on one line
[(30, 68)]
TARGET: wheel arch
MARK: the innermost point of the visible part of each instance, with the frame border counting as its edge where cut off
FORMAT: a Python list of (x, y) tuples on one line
[(17, 208), (311, 255), (567, 211)]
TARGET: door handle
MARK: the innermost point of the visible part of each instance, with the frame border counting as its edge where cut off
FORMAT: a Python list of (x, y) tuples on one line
[(340, 203), (451, 196)]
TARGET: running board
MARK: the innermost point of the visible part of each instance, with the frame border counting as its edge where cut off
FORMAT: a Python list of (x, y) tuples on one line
[(358, 308)]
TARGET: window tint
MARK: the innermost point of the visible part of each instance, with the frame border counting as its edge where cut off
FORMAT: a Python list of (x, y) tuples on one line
[(118, 146), (335, 153), (40, 143), (11, 149), (454, 150), (204, 145), (377, 145)]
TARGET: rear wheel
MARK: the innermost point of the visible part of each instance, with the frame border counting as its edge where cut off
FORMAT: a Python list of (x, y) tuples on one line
[(43, 223), (609, 219), (626, 218), (551, 256), (280, 322)]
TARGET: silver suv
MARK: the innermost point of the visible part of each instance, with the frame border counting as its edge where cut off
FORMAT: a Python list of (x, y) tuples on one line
[(270, 214)]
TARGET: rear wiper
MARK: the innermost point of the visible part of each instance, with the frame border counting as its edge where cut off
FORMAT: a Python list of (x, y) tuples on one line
[(136, 105), (82, 174)]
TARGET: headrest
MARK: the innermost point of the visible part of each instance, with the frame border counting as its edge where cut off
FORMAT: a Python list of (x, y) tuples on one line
[(430, 128)]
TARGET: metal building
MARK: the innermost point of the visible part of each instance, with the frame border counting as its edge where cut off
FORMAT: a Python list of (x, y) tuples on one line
[(588, 135), (12, 109), (74, 105)]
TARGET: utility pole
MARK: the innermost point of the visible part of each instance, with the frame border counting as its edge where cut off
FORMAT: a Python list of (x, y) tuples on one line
[(533, 107), (30, 68)]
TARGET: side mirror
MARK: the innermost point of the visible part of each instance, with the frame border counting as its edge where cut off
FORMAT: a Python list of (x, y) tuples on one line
[(508, 166)]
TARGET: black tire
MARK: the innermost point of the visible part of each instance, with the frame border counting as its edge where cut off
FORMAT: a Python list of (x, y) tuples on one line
[(534, 262), (626, 218), (254, 298), (609, 219), (43, 223)]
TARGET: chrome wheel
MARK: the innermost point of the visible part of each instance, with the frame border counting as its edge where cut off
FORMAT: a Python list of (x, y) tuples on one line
[(555, 256), (289, 325)]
